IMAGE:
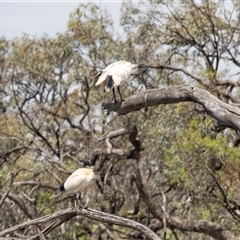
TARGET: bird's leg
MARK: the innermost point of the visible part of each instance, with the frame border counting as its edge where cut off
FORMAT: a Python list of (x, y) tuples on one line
[(87, 200), (118, 88), (79, 200), (75, 201), (86, 204), (114, 95)]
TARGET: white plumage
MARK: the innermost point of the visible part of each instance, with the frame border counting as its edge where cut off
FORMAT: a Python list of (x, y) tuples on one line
[(78, 182), (116, 73)]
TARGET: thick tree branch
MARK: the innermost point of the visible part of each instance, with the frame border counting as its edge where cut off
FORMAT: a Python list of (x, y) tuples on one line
[(225, 114), (90, 213)]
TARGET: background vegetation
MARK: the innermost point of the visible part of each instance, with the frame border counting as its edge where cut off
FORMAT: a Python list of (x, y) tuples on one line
[(51, 120)]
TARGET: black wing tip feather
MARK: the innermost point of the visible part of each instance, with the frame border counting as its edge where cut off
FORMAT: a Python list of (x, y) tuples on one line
[(61, 188), (109, 83)]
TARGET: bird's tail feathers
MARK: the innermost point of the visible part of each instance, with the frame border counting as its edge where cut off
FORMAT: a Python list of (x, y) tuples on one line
[(101, 78), (97, 76)]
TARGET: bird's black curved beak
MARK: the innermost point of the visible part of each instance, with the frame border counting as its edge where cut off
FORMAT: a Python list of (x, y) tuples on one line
[(142, 68)]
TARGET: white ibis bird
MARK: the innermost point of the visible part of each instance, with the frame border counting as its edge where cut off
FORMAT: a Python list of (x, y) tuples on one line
[(116, 73), (77, 183)]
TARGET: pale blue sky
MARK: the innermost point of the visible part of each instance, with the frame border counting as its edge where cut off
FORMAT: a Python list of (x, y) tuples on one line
[(38, 17)]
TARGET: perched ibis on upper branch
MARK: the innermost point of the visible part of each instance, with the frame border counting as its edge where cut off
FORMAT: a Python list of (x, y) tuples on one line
[(116, 73)]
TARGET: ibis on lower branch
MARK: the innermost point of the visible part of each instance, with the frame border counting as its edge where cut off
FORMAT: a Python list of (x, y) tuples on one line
[(116, 73), (77, 183)]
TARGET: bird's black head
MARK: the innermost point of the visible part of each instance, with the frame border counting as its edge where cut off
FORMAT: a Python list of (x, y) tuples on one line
[(141, 68), (87, 163)]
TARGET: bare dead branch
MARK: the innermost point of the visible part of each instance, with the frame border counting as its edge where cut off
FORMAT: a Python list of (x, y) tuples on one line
[(114, 134), (226, 114), (114, 151), (90, 213)]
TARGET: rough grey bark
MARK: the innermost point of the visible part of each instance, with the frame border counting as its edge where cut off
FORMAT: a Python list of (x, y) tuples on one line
[(226, 114), (67, 214)]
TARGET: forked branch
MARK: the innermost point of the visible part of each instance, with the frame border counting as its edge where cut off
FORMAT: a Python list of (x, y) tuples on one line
[(225, 114), (69, 213)]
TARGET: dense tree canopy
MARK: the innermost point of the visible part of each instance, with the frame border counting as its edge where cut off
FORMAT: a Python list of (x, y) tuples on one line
[(162, 162)]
